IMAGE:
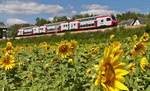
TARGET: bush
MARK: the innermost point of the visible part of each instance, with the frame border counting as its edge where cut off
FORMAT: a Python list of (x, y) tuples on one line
[(147, 28)]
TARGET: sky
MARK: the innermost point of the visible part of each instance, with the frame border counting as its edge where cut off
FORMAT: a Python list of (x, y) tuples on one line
[(26, 11)]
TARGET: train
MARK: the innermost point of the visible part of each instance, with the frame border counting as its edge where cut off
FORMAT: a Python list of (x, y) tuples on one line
[(75, 25)]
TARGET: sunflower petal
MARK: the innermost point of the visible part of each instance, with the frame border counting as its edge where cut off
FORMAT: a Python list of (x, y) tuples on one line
[(120, 65), (111, 89), (106, 52), (121, 72), (120, 78), (121, 86)]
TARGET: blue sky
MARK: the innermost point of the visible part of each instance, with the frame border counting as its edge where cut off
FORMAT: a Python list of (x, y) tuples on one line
[(26, 11)]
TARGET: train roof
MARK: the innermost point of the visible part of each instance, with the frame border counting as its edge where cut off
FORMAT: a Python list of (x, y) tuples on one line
[(54, 23), (103, 16), (28, 27), (98, 16)]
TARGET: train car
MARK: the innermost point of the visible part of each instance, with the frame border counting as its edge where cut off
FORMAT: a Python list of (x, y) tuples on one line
[(81, 24), (87, 23), (106, 21), (20, 32), (74, 25), (36, 30), (64, 26), (25, 31), (52, 28), (42, 29)]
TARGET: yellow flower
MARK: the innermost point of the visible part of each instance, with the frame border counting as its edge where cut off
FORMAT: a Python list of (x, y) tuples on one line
[(72, 47), (70, 60), (112, 36), (97, 81), (8, 49), (63, 49), (88, 72), (44, 45), (143, 63), (9, 46), (111, 71), (145, 37), (139, 49), (7, 62), (131, 68), (94, 50)]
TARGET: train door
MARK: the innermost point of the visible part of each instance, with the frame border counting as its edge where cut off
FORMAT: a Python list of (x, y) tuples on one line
[(1, 33)]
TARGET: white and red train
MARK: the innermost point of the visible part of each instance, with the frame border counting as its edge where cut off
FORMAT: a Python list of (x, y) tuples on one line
[(82, 24)]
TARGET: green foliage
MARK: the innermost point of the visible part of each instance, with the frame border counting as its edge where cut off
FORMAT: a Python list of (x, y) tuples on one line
[(81, 16), (129, 15), (147, 28), (40, 69), (59, 19), (41, 21)]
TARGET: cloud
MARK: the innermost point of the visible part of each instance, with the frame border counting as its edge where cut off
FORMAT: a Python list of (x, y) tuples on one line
[(50, 18), (97, 9), (12, 21), (74, 12), (19, 7)]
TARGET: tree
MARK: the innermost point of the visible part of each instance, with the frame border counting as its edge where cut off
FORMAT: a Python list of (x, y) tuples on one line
[(12, 30), (148, 15), (129, 15), (41, 21), (60, 19), (81, 16)]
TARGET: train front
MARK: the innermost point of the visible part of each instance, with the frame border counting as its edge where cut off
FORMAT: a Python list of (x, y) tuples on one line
[(114, 20)]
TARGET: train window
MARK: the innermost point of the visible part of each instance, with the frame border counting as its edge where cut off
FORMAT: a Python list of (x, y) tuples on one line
[(108, 19), (113, 17)]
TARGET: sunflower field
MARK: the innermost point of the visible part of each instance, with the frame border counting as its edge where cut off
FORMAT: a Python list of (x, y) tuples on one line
[(116, 60)]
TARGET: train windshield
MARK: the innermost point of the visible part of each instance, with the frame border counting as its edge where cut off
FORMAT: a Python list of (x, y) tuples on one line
[(113, 17)]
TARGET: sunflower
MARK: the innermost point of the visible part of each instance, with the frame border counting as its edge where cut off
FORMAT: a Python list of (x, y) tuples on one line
[(63, 49), (143, 63), (94, 50), (72, 47), (145, 37), (111, 71), (44, 45), (131, 68), (9, 49), (139, 49), (9, 46), (7, 62)]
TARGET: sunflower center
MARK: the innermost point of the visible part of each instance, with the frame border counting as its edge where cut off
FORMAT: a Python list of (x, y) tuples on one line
[(139, 47), (7, 61), (109, 74), (63, 49)]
